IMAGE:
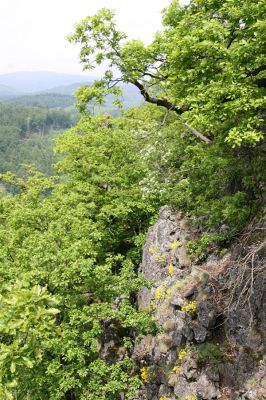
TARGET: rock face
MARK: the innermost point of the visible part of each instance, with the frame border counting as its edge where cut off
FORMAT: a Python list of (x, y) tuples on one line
[(196, 345)]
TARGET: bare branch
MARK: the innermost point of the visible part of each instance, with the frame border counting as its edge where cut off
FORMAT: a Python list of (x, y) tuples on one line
[(196, 133), (171, 107), (112, 83), (159, 102), (161, 78)]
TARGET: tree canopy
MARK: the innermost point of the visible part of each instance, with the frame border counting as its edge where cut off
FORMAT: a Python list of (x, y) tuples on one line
[(68, 257), (71, 244), (27, 136), (207, 66)]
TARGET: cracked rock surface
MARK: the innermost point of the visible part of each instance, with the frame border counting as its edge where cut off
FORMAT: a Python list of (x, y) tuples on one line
[(197, 353)]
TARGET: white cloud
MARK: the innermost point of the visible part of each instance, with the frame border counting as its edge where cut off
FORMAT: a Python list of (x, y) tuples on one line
[(32, 32)]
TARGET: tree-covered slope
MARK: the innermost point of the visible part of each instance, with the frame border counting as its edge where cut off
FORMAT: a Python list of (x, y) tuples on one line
[(71, 251), (63, 97), (49, 100), (71, 245), (27, 136)]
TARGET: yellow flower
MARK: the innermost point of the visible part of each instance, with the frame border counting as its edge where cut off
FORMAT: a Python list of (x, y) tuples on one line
[(175, 244), (191, 307), (171, 270), (177, 369), (191, 397), (182, 354), (144, 374), (160, 292), (152, 249), (160, 259)]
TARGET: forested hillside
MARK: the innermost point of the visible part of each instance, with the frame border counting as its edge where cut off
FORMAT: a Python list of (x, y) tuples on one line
[(71, 245), (49, 100), (29, 125), (54, 90), (27, 136)]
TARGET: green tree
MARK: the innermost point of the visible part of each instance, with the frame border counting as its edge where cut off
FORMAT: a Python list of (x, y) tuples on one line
[(208, 62), (206, 69), (27, 136), (70, 245), (80, 241)]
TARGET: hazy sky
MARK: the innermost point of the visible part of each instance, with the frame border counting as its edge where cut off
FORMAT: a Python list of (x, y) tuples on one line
[(32, 32)]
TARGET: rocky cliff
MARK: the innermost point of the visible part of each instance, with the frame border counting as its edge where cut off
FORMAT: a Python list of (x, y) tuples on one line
[(211, 315)]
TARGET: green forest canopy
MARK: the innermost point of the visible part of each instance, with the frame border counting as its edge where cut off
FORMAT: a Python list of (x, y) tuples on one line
[(27, 136), (70, 245)]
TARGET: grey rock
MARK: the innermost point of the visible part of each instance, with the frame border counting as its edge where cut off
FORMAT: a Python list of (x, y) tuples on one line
[(177, 301), (165, 245), (251, 395), (240, 331), (213, 374), (190, 291), (182, 387), (143, 349), (206, 314), (144, 299), (200, 333), (157, 244), (164, 312), (163, 390), (189, 368), (212, 260), (205, 388), (183, 257), (188, 333)]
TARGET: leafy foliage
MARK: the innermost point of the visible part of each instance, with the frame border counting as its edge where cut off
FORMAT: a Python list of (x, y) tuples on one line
[(49, 100), (27, 136), (26, 323), (207, 69), (208, 353), (77, 240), (208, 62), (70, 245), (219, 186)]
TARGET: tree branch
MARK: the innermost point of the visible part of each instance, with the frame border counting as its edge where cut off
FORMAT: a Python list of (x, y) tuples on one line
[(196, 133), (114, 82), (159, 102), (256, 71), (231, 38), (154, 76), (171, 107)]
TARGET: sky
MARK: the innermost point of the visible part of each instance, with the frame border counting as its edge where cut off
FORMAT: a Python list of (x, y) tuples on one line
[(33, 32)]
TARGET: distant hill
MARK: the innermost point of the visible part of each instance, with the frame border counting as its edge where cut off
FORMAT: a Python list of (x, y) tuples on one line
[(54, 90), (68, 89), (131, 95), (30, 82), (7, 92)]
